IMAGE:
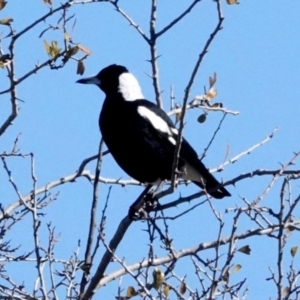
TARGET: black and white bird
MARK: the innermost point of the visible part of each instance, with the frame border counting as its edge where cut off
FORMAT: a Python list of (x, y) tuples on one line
[(141, 137)]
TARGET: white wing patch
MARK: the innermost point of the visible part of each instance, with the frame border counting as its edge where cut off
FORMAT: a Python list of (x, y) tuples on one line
[(158, 123), (129, 87), (172, 140), (174, 130)]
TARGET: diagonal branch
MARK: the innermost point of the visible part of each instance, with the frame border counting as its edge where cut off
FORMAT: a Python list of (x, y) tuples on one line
[(193, 250), (154, 56), (175, 21), (108, 255), (187, 91), (130, 20), (118, 236), (42, 19), (88, 252)]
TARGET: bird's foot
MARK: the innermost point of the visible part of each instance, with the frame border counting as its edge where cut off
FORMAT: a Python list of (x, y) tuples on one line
[(142, 206)]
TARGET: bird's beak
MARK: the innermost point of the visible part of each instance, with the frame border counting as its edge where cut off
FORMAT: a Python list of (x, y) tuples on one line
[(89, 80)]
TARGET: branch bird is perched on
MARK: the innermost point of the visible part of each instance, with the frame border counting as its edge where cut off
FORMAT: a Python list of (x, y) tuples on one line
[(141, 137)]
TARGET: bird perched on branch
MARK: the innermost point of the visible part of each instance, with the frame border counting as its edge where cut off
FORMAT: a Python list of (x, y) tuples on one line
[(141, 137)]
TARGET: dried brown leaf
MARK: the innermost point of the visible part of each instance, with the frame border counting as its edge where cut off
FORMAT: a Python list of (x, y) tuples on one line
[(158, 278), (166, 290), (72, 51), (67, 37), (202, 118), (226, 277), (232, 2), (2, 4), (49, 2), (294, 251), (236, 268), (285, 291), (182, 289), (212, 93), (84, 49), (130, 292), (80, 67), (54, 50), (6, 21), (212, 80), (47, 47), (245, 249), (85, 267), (178, 117)]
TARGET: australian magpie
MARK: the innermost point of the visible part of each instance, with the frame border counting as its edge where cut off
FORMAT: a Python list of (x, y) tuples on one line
[(141, 137)]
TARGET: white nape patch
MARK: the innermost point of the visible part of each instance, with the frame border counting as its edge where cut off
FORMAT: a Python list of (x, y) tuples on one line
[(190, 173), (129, 87), (157, 122)]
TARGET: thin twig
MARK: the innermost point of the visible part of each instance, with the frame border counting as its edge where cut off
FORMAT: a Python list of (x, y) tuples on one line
[(130, 20), (193, 250), (153, 53), (187, 93), (88, 251), (213, 137), (179, 18)]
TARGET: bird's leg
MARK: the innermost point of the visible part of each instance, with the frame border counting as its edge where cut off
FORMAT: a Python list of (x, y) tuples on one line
[(151, 200), (135, 210)]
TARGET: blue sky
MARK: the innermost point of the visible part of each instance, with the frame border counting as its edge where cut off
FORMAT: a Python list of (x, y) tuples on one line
[(256, 58)]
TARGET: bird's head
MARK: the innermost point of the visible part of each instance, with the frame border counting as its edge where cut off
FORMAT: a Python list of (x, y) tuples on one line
[(116, 80)]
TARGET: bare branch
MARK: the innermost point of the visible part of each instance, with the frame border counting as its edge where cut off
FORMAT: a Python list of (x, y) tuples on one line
[(118, 236), (88, 257), (193, 250), (130, 20), (179, 18), (187, 91), (154, 56)]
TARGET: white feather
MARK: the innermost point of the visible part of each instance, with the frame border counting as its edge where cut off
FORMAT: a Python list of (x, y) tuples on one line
[(157, 122), (129, 87), (174, 130), (172, 140)]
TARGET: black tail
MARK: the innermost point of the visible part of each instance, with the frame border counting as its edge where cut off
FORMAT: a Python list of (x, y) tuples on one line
[(213, 187), (196, 169)]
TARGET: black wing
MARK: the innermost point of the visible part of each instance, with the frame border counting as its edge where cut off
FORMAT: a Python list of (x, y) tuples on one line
[(192, 166)]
